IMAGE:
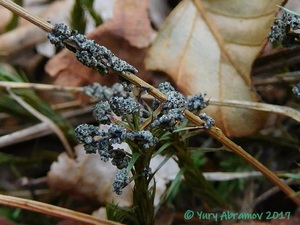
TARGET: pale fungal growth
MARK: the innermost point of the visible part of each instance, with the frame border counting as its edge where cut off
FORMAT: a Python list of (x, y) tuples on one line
[(143, 137), (282, 30), (196, 102), (104, 148), (101, 112), (117, 134), (86, 135), (296, 90), (165, 87), (119, 158), (88, 52), (121, 180), (98, 91), (209, 122), (123, 106), (104, 93), (118, 90), (174, 100), (169, 120)]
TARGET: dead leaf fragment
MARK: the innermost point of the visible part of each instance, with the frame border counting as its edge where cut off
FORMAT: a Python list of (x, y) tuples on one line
[(87, 176), (136, 28), (209, 47), (27, 35)]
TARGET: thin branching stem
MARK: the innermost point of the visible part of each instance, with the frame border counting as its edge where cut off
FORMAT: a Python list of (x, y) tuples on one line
[(214, 131), (278, 109), (45, 119)]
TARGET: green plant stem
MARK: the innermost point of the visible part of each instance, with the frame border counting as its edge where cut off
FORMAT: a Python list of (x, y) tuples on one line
[(143, 196)]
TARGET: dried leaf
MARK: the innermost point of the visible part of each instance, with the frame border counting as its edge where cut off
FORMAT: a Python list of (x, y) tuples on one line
[(127, 35), (27, 35), (209, 47), (92, 178), (132, 23), (87, 176)]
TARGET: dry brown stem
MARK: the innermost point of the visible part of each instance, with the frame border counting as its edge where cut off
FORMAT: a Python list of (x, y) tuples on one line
[(53, 210)]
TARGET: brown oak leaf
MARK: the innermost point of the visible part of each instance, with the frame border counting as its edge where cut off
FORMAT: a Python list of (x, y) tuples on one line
[(208, 46)]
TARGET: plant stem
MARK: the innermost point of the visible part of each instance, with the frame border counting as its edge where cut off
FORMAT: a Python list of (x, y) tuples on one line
[(52, 210), (143, 196)]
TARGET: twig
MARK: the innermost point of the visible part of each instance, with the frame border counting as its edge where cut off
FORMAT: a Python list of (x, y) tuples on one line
[(38, 130), (53, 210), (43, 87), (45, 119), (278, 59), (281, 78), (283, 110), (25, 134), (214, 131), (268, 193), (265, 107)]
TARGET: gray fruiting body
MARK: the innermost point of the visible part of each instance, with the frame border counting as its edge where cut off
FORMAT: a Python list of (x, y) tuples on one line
[(117, 134), (121, 180), (98, 91), (282, 30), (174, 100), (147, 172), (119, 158), (165, 87), (209, 122), (143, 137), (196, 102), (88, 52), (86, 135), (104, 93), (101, 112), (104, 148), (296, 90), (123, 106), (169, 120)]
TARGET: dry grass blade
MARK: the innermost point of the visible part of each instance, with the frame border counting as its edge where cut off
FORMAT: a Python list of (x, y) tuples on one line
[(52, 210), (45, 119), (42, 87), (26, 134), (283, 110)]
